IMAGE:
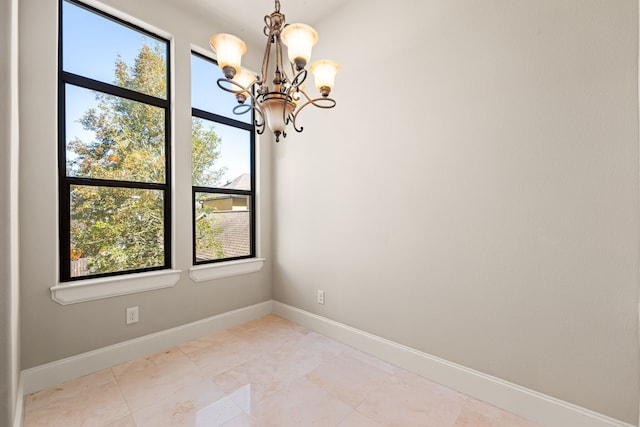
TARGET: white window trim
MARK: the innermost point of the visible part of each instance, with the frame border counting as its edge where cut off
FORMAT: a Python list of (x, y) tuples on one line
[(206, 272), (107, 287)]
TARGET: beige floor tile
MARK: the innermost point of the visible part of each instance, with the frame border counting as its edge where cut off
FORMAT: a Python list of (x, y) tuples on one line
[(370, 360), (213, 340), (268, 372), (316, 343), (144, 382), (215, 359), (242, 420), (408, 400), (218, 413), (278, 366), (349, 379), (123, 422), (479, 414), (184, 406), (255, 380), (301, 403), (93, 400), (68, 390), (356, 419), (170, 358), (269, 333)]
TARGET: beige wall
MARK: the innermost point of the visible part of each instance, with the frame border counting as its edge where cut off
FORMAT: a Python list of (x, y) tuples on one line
[(6, 401), (51, 331), (9, 286), (511, 128)]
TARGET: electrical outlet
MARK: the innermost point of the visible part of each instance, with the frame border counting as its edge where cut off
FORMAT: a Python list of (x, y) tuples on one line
[(320, 297), (132, 315)]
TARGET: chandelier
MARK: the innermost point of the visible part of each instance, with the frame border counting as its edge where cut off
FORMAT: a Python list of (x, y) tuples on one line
[(278, 99)]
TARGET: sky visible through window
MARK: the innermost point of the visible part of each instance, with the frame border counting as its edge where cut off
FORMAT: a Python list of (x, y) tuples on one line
[(207, 96), (91, 46)]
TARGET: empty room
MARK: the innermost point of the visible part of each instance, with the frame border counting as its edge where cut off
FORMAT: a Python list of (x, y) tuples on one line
[(319, 213)]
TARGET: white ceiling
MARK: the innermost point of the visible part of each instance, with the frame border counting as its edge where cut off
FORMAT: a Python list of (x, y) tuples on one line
[(245, 18)]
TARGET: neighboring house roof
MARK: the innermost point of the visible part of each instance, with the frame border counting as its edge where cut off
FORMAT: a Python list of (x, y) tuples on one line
[(231, 229), (242, 182)]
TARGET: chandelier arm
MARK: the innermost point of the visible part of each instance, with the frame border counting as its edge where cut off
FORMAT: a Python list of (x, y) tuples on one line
[(285, 117), (292, 119), (241, 89), (299, 79), (304, 93), (244, 108), (293, 70), (281, 72), (316, 103), (295, 86), (283, 78), (265, 66), (281, 82), (279, 59), (267, 51), (259, 121), (241, 109), (260, 125), (268, 23)]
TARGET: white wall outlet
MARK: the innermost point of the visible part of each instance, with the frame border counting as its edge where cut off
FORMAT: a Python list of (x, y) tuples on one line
[(132, 315), (320, 297)]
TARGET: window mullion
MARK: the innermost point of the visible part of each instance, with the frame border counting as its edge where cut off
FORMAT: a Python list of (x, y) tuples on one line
[(96, 182), (109, 89)]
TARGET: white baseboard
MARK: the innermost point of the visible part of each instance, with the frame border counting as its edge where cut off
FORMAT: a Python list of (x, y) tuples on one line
[(54, 373), (537, 407)]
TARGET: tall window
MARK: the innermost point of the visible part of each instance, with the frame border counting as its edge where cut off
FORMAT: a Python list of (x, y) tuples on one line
[(223, 170), (114, 159)]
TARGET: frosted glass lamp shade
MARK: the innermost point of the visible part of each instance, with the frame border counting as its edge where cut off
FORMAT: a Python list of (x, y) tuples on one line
[(299, 38), (229, 50), (244, 78), (324, 72), (276, 108)]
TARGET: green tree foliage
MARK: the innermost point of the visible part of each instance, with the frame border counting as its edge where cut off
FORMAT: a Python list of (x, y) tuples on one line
[(205, 176), (116, 228), (203, 155), (207, 245)]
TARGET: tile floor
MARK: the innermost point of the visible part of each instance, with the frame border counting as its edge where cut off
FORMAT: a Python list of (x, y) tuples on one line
[(268, 372)]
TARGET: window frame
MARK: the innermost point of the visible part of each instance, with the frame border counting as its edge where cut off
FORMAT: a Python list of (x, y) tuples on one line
[(66, 182), (251, 194)]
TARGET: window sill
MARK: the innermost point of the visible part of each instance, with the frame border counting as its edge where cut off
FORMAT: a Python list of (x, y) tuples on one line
[(93, 289), (202, 273)]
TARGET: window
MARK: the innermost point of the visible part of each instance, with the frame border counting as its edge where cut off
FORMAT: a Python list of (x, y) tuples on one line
[(223, 170), (113, 152)]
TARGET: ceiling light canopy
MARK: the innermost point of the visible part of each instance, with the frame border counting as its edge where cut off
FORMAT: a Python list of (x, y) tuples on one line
[(275, 97)]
